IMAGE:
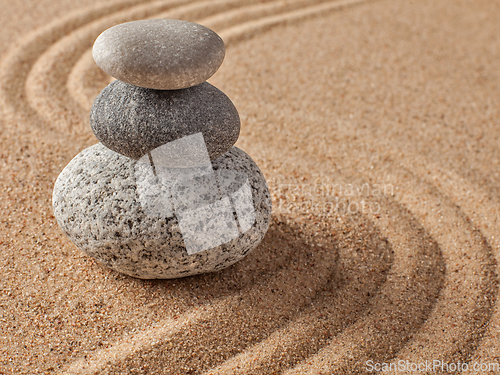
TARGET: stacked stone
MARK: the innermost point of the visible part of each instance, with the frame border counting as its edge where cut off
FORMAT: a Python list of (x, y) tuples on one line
[(165, 194)]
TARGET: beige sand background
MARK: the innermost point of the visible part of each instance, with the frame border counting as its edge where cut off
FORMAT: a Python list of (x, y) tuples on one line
[(377, 126)]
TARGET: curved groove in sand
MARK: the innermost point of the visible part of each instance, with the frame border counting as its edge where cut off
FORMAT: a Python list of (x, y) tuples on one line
[(468, 319), (295, 337), (234, 17), (248, 30), (237, 308), (482, 215), (135, 342), (53, 68), (26, 52), (475, 283), (46, 88), (471, 291), (86, 80), (421, 256), (70, 39)]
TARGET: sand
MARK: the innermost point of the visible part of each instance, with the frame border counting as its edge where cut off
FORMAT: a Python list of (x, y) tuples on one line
[(376, 124)]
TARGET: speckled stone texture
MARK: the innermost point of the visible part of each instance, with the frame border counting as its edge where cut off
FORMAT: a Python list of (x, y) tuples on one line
[(133, 120), (161, 54), (97, 205)]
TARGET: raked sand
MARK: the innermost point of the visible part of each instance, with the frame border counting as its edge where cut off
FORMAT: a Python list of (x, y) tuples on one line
[(377, 126)]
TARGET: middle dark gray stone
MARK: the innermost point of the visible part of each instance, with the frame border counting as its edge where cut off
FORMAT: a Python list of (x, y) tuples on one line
[(134, 120)]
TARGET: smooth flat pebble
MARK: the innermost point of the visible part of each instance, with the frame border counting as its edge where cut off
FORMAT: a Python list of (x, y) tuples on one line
[(133, 120), (161, 54), (97, 204)]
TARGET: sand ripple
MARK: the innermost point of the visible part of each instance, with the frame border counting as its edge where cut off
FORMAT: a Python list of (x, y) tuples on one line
[(416, 279)]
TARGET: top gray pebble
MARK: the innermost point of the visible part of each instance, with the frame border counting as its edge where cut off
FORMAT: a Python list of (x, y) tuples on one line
[(160, 54)]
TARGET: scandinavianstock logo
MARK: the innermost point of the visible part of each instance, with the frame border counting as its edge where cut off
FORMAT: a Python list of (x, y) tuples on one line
[(333, 198)]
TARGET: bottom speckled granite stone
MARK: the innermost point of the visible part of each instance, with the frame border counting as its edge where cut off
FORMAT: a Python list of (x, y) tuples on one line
[(97, 204)]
